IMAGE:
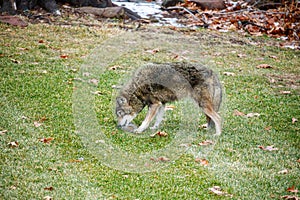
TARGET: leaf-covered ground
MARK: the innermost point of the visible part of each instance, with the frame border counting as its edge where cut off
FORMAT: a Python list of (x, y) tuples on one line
[(43, 156)]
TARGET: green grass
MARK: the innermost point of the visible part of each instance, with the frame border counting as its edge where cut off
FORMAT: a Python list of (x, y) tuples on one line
[(37, 84)]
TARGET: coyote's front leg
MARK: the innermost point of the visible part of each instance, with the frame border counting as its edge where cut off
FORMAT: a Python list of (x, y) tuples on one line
[(159, 117), (152, 112)]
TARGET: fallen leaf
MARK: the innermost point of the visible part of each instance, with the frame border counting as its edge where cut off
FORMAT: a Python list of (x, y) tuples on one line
[(64, 56), (46, 140), (159, 133), (264, 66), (203, 162), (37, 124), (268, 128), (12, 187), (15, 61), (206, 143), (47, 198), (242, 55), (94, 81), (238, 113), (218, 191), (285, 171), (162, 133), (292, 189), (294, 120), (115, 67), (285, 92), (13, 144), (3, 132), (229, 74), (290, 197), (268, 148), (49, 188), (249, 115), (162, 159), (274, 57), (75, 160), (185, 145), (97, 93), (43, 119), (153, 51)]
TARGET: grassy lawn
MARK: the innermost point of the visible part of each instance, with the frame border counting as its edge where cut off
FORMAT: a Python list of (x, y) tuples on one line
[(50, 147)]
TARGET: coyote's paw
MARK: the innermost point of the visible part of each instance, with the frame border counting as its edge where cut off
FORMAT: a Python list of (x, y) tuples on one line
[(130, 128), (139, 130)]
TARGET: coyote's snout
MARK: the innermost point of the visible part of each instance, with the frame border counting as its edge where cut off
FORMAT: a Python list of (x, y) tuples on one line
[(157, 84)]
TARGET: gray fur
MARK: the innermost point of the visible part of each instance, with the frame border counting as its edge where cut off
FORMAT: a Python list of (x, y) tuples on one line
[(157, 84)]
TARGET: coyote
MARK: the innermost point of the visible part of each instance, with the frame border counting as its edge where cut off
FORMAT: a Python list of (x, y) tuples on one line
[(157, 84)]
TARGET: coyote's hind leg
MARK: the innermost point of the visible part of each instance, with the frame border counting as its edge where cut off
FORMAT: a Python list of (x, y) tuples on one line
[(215, 117)]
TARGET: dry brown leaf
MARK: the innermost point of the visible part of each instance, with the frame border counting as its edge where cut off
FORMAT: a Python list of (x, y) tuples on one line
[(202, 161), (206, 143), (218, 191), (46, 140), (162, 133), (274, 57), (229, 74), (160, 159), (13, 144), (159, 133), (47, 198), (264, 66), (268, 128), (249, 115), (238, 113), (76, 160), (290, 197), (285, 171), (292, 189), (268, 148), (15, 61), (115, 67), (285, 92), (163, 159), (13, 187), (185, 145), (153, 51), (37, 124), (97, 93), (3, 132), (94, 81), (49, 188), (242, 55), (64, 56), (294, 120)]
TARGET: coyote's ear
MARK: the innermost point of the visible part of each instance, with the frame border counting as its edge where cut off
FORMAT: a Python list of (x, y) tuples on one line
[(121, 100)]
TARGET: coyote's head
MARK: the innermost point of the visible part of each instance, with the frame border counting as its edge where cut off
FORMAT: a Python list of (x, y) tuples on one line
[(125, 112)]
